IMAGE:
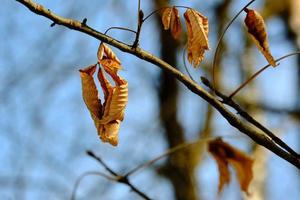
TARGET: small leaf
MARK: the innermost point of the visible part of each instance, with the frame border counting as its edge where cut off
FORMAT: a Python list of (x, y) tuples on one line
[(166, 17), (197, 30), (171, 20), (117, 98), (257, 29), (225, 154), (111, 64), (89, 90), (104, 52), (110, 132)]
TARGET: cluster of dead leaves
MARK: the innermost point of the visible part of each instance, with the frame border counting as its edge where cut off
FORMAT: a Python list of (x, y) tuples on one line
[(107, 117), (225, 154), (197, 31), (198, 28)]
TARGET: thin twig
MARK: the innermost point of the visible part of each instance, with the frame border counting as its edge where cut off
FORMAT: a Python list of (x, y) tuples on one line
[(125, 180), (258, 72), (168, 152), (117, 177), (226, 100), (139, 25), (220, 40), (247, 81), (138, 11), (231, 118), (171, 151), (120, 28), (112, 172), (73, 196), (154, 12), (185, 7), (185, 65), (160, 9)]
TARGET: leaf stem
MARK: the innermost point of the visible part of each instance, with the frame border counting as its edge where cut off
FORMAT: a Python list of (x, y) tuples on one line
[(186, 7), (120, 28), (185, 65), (258, 72), (154, 12), (139, 25), (248, 81), (158, 10), (220, 40), (142, 19)]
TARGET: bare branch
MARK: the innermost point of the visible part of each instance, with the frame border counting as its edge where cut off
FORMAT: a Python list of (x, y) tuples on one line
[(245, 115), (85, 175), (166, 153), (258, 72), (258, 137), (90, 153), (116, 177)]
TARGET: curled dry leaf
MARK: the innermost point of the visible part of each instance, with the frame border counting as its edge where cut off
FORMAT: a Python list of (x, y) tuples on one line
[(171, 20), (257, 29), (110, 64), (225, 154), (89, 91), (107, 116), (197, 30), (104, 52)]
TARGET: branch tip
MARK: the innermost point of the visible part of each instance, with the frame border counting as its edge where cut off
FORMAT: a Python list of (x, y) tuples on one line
[(246, 10), (90, 153), (205, 81), (84, 21)]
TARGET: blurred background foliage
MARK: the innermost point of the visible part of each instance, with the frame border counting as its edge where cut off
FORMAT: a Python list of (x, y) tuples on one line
[(45, 128)]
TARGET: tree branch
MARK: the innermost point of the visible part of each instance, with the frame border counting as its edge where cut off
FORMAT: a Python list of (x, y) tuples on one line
[(170, 151), (73, 196), (112, 172), (115, 177), (258, 137), (228, 101)]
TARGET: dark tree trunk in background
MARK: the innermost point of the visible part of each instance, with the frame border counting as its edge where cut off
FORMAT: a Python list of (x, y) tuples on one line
[(179, 168)]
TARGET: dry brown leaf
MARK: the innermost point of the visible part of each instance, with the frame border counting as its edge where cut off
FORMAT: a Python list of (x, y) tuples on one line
[(225, 154), (89, 90), (114, 107), (104, 52), (257, 29), (111, 64), (171, 20), (116, 99), (197, 30), (166, 17), (107, 117)]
